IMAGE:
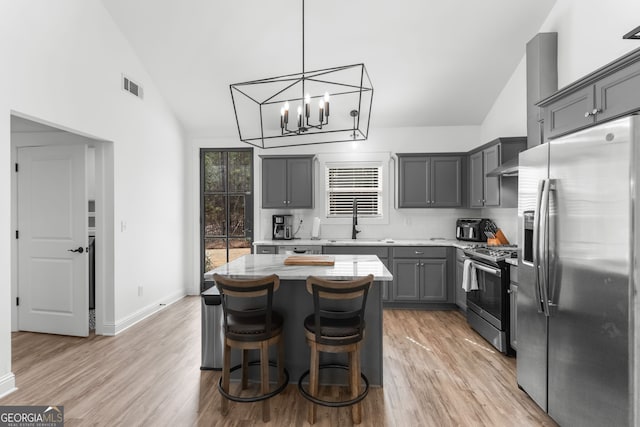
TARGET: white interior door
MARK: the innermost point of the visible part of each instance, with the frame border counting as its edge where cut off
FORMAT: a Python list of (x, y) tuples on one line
[(52, 243)]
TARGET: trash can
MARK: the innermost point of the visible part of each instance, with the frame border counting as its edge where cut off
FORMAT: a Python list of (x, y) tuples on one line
[(212, 334)]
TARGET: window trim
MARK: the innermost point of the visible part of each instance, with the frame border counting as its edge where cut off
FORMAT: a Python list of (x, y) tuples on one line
[(379, 159)]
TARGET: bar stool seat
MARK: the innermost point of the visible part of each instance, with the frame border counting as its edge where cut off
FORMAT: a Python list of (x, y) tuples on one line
[(336, 330), (250, 323)]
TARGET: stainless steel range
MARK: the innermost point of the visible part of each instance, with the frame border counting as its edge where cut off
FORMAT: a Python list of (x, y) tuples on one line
[(488, 306)]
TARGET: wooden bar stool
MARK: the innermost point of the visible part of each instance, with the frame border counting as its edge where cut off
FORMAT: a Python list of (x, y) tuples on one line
[(334, 330), (251, 324)]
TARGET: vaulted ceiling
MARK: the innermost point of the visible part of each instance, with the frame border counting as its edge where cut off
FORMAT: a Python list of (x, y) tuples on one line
[(432, 63)]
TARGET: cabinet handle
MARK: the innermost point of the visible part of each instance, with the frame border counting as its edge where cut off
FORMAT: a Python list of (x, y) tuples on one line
[(418, 252), (509, 291), (417, 264), (593, 112), (265, 251)]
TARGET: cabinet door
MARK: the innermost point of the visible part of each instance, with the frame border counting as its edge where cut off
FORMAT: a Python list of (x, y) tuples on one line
[(433, 286), (446, 180), (300, 183), (476, 177), (274, 183), (386, 286), (569, 113), (461, 295), (618, 93), (491, 183), (413, 185), (406, 280), (513, 314)]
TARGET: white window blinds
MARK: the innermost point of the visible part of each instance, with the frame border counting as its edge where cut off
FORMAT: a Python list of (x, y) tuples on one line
[(346, 183)]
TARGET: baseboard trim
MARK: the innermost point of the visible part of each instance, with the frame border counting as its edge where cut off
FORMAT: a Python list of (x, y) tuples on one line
[(7, 384), (143, 313)]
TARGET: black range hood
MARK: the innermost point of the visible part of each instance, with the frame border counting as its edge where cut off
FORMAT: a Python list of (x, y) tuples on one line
[(508, 168)]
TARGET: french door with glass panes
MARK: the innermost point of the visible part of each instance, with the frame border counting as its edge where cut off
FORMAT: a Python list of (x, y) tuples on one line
[(226, 205)]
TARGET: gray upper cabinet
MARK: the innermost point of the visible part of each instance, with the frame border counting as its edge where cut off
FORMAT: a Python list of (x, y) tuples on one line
[(476, 176), (429, 181), (609, 92), (287, 182), (491, 184), (487, 191)]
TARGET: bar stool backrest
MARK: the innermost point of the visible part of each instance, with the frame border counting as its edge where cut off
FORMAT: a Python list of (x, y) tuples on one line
[(346, 317), (248, 299)]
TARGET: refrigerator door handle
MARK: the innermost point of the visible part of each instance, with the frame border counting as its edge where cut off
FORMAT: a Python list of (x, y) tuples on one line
[(544, 247), (536, 245)]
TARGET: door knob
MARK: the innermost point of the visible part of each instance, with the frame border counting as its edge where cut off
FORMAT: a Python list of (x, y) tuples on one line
[(79, 250)]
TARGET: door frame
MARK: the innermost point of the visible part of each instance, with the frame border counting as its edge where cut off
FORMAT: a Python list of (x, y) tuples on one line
[(104, 230), (249, 211)]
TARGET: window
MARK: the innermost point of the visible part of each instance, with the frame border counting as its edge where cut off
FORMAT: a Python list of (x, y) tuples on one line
[(345, 182)]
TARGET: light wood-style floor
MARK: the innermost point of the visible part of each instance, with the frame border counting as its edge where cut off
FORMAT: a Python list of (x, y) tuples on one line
[(437, 372)]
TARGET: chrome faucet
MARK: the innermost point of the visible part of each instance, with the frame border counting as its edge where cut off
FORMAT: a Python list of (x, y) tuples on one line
[(354, 227)]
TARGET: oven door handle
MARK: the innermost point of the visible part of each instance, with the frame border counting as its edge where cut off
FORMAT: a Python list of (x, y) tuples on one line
[(490, 270)]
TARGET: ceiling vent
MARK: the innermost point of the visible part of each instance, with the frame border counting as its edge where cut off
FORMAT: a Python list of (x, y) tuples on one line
[(132, 87)]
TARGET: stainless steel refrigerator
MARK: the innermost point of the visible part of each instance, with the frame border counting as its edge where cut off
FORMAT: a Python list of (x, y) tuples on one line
[(576, 237)]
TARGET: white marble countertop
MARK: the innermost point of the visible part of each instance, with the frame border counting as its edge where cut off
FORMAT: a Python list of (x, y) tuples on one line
[(346, 268), (366, 242)]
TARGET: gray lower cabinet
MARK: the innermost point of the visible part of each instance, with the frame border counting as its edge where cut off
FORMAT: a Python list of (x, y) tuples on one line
[(609, 92), (381, 252), (429, 181), (461, 295), (513, 307), (266, 249), (421, 277), (287, 182)]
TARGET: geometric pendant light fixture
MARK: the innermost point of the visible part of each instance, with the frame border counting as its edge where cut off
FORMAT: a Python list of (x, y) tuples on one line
[(310, 107)]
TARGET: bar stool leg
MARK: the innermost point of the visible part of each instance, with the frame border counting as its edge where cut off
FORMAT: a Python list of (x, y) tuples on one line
[(313, 381), (264, 379), (245, 369), (226, 368), (281, 359), (354, 371)]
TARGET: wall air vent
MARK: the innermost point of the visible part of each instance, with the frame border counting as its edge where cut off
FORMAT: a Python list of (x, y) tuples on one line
[(132, 87)]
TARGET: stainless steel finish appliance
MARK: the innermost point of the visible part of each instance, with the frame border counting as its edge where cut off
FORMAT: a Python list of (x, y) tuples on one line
[(472, 229), (282, 226), (488, 307), (300, 249), (576, 236)]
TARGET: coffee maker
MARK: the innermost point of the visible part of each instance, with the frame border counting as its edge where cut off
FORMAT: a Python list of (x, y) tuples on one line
[(282, 227)]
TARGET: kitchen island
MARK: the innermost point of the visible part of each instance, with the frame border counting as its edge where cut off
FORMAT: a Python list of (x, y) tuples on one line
[(294, 303)]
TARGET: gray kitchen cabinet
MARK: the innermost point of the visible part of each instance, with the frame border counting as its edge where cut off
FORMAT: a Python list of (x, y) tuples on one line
[(287, 182), (513, 307), (461, 295), (491, 160), (476, 175), (420, 276), (487, 191), (266, 249), (429, 181), (381, 252), (609, 92)]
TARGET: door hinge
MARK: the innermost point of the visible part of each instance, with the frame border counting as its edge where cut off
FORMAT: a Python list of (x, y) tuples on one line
[(17, 234), (16, 167), (17, 300)]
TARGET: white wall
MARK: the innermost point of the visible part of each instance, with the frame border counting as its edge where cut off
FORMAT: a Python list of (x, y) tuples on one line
[(589, 36), (64, 61), (508, 115)]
